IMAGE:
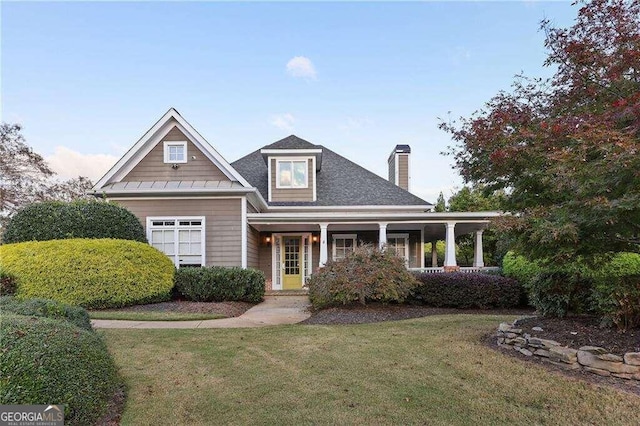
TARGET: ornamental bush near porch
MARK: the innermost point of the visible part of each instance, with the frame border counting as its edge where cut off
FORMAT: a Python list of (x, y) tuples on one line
[(220, 284), (467, 290), (366, 275), (100, 273)]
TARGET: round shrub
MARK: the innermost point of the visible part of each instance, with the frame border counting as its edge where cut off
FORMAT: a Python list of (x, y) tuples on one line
[(56, 220), (557, 292), (519, 268), (467, 290), (101, 273), (46, 308), (366, 275), (46, 361), (219, 284)]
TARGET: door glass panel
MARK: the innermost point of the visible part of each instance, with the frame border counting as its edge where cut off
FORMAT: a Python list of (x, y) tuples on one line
[(291, 256)]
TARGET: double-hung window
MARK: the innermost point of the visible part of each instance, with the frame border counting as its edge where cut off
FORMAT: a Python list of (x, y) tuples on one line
[(398, 244), (343, 244), (292, 174), (175, 152), (180, 238)]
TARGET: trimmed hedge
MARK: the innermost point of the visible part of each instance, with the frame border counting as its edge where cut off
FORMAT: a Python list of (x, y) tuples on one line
[(46, 308), (101, 273), (467, 290), (51, 361), (220, 284), (57, 220), (365, 275)]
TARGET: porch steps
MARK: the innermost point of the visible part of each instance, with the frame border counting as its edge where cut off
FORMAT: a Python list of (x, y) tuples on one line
[(286, 293)]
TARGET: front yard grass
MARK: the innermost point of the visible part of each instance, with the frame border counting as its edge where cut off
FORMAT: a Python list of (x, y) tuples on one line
[(432, 370), (153, 315)]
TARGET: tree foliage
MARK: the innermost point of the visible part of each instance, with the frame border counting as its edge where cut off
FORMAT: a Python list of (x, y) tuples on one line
[(25, 177), (566, 149)]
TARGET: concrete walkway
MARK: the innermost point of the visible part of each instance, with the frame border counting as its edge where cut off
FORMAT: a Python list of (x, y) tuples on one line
[(275, 310)]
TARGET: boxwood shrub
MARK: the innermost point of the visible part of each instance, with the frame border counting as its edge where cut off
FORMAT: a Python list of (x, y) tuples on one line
[(366, 275), (56, 220), (47, 308), (467, 290), (219, 284), (50, 361), (100, 273)]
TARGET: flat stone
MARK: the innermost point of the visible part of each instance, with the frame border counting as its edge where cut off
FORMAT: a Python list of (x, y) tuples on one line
[(542, 352), (500, 340), (542, 343), (565, 366), (537, 329), (610, 357), (563, 354), (510, 335), (524, 351), (504, 326), (518, 341), (625, 376), (590, 360), (632, 358), (593, 349), (597, 371)]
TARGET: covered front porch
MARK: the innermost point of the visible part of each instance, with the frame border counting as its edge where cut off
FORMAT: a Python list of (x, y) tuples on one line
[(293, 245)]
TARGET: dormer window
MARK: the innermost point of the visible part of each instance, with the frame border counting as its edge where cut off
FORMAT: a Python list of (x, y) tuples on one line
[(175, 152), (292, 174)]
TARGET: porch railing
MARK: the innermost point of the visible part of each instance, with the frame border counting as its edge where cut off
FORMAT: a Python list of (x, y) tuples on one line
[(463, 269)]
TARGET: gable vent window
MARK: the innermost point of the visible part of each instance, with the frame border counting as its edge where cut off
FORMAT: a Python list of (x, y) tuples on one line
[(182, 239), (175, 152), (292, 174)]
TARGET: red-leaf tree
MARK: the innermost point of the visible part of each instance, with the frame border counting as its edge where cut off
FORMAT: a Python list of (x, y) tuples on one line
[(567, 149)]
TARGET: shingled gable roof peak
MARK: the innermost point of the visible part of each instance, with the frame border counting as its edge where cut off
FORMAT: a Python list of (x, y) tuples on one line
[(292, 142), (292, 145)]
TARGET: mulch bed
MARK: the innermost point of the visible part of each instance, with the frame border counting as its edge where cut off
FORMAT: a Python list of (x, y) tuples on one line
[(228, 309), (580, 331), (358, 314)]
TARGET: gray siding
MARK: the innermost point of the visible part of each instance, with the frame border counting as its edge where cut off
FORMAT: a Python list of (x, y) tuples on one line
[(265, 259), (253, 244), (297, 194), (152, 167), (223, 233)]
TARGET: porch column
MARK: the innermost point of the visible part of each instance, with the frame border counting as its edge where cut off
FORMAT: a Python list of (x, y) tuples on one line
[(434, 254), (450, 248), (478, 255), (382, 237), (323, 244)]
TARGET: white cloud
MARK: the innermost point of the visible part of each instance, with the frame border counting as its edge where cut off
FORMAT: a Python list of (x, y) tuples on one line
[(283, 121), (356, 123), (301, 66), (70, 164)]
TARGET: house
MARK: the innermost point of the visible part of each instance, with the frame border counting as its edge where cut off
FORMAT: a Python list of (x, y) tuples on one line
[(286, 208)]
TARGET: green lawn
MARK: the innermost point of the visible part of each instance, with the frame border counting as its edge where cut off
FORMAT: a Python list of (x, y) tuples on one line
[(432, 371), (152, 315)]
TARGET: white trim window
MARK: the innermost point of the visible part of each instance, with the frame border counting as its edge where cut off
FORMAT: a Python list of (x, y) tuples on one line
[(180, 238), (398, 244), (343, 244), (292, 174), (175, 152)]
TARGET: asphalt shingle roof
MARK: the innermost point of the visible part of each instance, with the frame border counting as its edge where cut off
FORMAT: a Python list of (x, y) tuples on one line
[(340, 182)]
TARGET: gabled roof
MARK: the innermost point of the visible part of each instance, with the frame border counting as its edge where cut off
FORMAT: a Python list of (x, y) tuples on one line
[(168, 121), (340, 182)]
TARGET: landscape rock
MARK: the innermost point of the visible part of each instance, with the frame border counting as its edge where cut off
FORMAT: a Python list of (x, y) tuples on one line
[(542, 352), (632, 358), (565, 366), (590, 360), (537, 329), (524, 351), (563, 354), (610, 357), (504, 326), (598, 371), (542, 343), (596, 350), (625, 376)]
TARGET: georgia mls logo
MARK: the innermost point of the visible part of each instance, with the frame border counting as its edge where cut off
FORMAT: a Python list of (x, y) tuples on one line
[(31, 415)]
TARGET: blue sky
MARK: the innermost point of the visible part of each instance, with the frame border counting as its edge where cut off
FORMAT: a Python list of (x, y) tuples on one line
[(86, 80)]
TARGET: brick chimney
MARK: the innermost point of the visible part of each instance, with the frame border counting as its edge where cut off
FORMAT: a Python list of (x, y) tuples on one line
[(399, 166)]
